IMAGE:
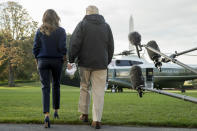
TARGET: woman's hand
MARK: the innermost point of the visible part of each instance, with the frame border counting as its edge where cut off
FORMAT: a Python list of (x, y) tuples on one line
[(64, 58)]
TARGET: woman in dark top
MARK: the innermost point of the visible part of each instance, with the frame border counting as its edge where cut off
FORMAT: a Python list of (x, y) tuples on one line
[(49, 50)]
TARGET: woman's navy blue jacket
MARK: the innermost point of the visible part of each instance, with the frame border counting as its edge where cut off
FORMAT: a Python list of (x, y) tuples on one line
[(52, 46)]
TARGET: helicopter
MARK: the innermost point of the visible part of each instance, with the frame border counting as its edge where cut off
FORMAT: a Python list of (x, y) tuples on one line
[(171, 75), (119, 76)]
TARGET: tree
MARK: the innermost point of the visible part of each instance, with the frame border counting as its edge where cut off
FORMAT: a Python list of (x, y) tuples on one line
[(28, 69), (16, 26)]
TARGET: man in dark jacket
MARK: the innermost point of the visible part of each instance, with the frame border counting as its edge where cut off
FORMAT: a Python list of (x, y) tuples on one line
[(92, 45)]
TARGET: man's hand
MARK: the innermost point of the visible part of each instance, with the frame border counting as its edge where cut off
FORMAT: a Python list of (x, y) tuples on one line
[(69, 66)]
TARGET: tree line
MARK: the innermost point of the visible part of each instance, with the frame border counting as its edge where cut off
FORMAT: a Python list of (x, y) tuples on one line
[(17, 31)]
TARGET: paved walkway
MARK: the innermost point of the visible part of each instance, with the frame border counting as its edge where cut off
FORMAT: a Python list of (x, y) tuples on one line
[(38, 127)]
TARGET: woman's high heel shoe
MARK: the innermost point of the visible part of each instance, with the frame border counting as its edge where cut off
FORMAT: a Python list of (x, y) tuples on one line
[(47, 122), (55, 115)]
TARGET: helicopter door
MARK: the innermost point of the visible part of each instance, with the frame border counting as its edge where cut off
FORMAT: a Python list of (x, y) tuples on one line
[(149, 78)]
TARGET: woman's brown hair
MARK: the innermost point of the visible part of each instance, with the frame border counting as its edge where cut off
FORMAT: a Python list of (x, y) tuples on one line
[(50, 21)]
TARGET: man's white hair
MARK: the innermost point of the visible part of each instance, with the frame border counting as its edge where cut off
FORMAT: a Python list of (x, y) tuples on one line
[(91, 9)]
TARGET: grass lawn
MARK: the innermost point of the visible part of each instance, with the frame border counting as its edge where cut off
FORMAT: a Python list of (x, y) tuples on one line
[(22, 104)]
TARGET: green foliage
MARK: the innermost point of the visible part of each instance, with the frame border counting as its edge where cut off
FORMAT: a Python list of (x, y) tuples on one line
[(27, 69), (35, 76), (17, 30), (194, 82), (68, 42), (3, 74)]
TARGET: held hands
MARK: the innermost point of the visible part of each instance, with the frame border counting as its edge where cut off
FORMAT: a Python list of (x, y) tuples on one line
[(71, 69), (69, 66)]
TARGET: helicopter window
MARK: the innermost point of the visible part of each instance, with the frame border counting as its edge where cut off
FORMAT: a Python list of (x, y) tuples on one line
[(137, 62), (127, 63)]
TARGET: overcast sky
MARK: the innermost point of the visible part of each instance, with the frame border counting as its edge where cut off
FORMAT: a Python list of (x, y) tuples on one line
[(172, 23)]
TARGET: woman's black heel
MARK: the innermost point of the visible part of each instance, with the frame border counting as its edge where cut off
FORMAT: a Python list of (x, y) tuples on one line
[(47, 122), (56, 116)]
